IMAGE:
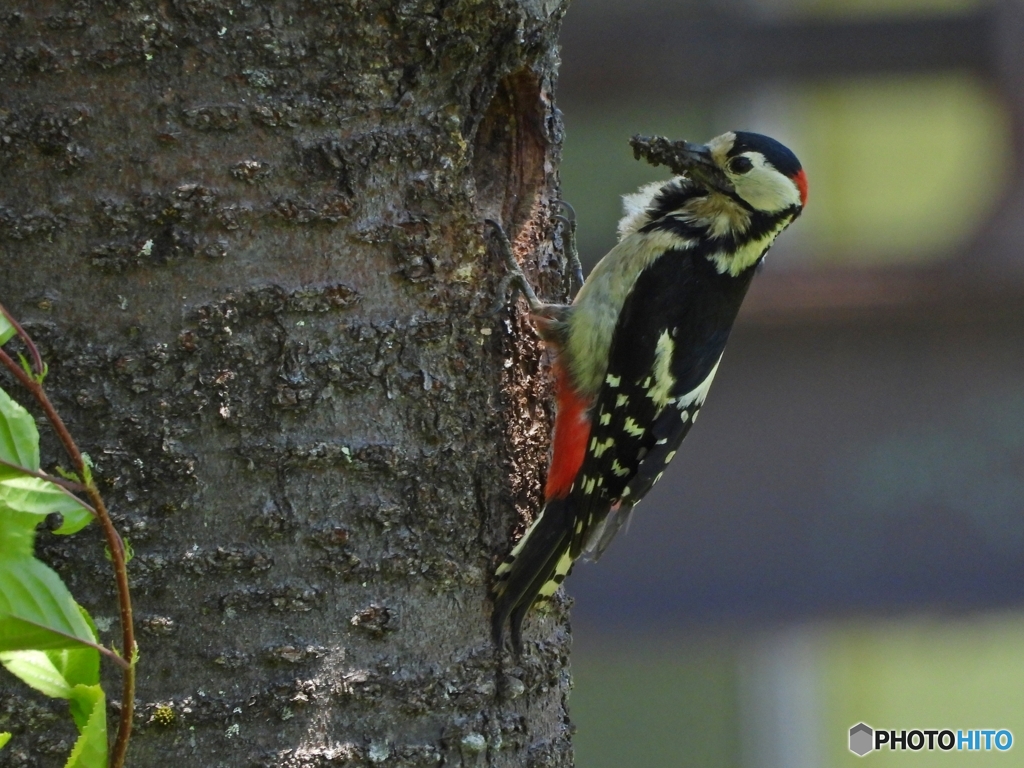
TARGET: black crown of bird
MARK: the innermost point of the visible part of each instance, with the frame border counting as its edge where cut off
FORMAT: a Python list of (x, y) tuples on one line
[(636, 351)]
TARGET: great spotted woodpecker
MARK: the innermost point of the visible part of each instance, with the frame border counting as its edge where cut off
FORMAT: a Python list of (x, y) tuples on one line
[(636, 351)]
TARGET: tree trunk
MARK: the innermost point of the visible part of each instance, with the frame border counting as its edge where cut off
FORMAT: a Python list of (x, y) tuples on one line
[(248, 239)]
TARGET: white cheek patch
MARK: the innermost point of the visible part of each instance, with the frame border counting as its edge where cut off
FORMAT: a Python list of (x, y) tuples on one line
[(764, 187)]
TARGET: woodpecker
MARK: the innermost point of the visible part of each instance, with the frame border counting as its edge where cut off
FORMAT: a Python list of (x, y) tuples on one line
[(636, 351)]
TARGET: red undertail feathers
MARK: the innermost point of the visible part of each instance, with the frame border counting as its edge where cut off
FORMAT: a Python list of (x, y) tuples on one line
[(572, 430)]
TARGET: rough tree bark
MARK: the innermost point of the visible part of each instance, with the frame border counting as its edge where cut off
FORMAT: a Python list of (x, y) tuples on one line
[(247, 235)]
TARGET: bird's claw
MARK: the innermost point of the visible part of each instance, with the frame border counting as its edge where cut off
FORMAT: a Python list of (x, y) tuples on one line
[(514, 279), (572, 256)]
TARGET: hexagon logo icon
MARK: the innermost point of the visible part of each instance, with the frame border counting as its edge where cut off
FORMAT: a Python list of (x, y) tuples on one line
[(862, 739)]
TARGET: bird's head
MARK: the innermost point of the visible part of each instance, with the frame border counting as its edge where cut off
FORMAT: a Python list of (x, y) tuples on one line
[(732, 197), (749, 167)]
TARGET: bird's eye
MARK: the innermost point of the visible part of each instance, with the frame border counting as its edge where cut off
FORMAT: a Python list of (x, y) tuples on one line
[(740, 164)]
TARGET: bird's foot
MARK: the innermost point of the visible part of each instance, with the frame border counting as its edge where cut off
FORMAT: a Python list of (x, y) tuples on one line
[(514, 280), (569, 251)]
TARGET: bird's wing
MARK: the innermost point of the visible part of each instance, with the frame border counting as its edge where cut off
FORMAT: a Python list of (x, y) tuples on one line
[(660, 366)]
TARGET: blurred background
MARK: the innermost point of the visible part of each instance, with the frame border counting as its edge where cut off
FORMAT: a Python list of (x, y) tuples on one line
[(842, 537)]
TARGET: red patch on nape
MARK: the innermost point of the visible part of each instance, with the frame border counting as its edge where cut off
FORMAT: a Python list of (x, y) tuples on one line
[(572, 431), (801, 183)]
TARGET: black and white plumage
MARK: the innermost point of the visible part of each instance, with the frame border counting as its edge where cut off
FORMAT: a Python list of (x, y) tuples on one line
[(636, 352)]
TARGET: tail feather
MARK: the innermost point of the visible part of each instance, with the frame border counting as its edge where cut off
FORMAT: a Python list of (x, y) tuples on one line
[(534, 569), (598, 541)]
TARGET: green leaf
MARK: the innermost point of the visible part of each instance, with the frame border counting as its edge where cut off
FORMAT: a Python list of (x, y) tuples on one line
[(36, 610), (88, 679), (74, 521), (19, 438), (72, 476), (7, 332), (41, 497), (17, 534), (4, 738), (54, 673), (37, 670), (87, 468), (89, 708), (26, 366), (79, 666), (129, 551)]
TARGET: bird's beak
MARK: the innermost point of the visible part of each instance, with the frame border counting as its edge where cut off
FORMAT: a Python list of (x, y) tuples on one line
[(701, 166)]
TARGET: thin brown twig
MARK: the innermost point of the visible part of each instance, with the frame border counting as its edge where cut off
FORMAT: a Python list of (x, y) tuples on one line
[(37, 359), (114, 542), (68, 485), (113, 655)]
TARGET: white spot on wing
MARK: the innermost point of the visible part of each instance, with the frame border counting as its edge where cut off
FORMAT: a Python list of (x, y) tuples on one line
[(633, 428), (698, 394), (596, 309), (660, 391)]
